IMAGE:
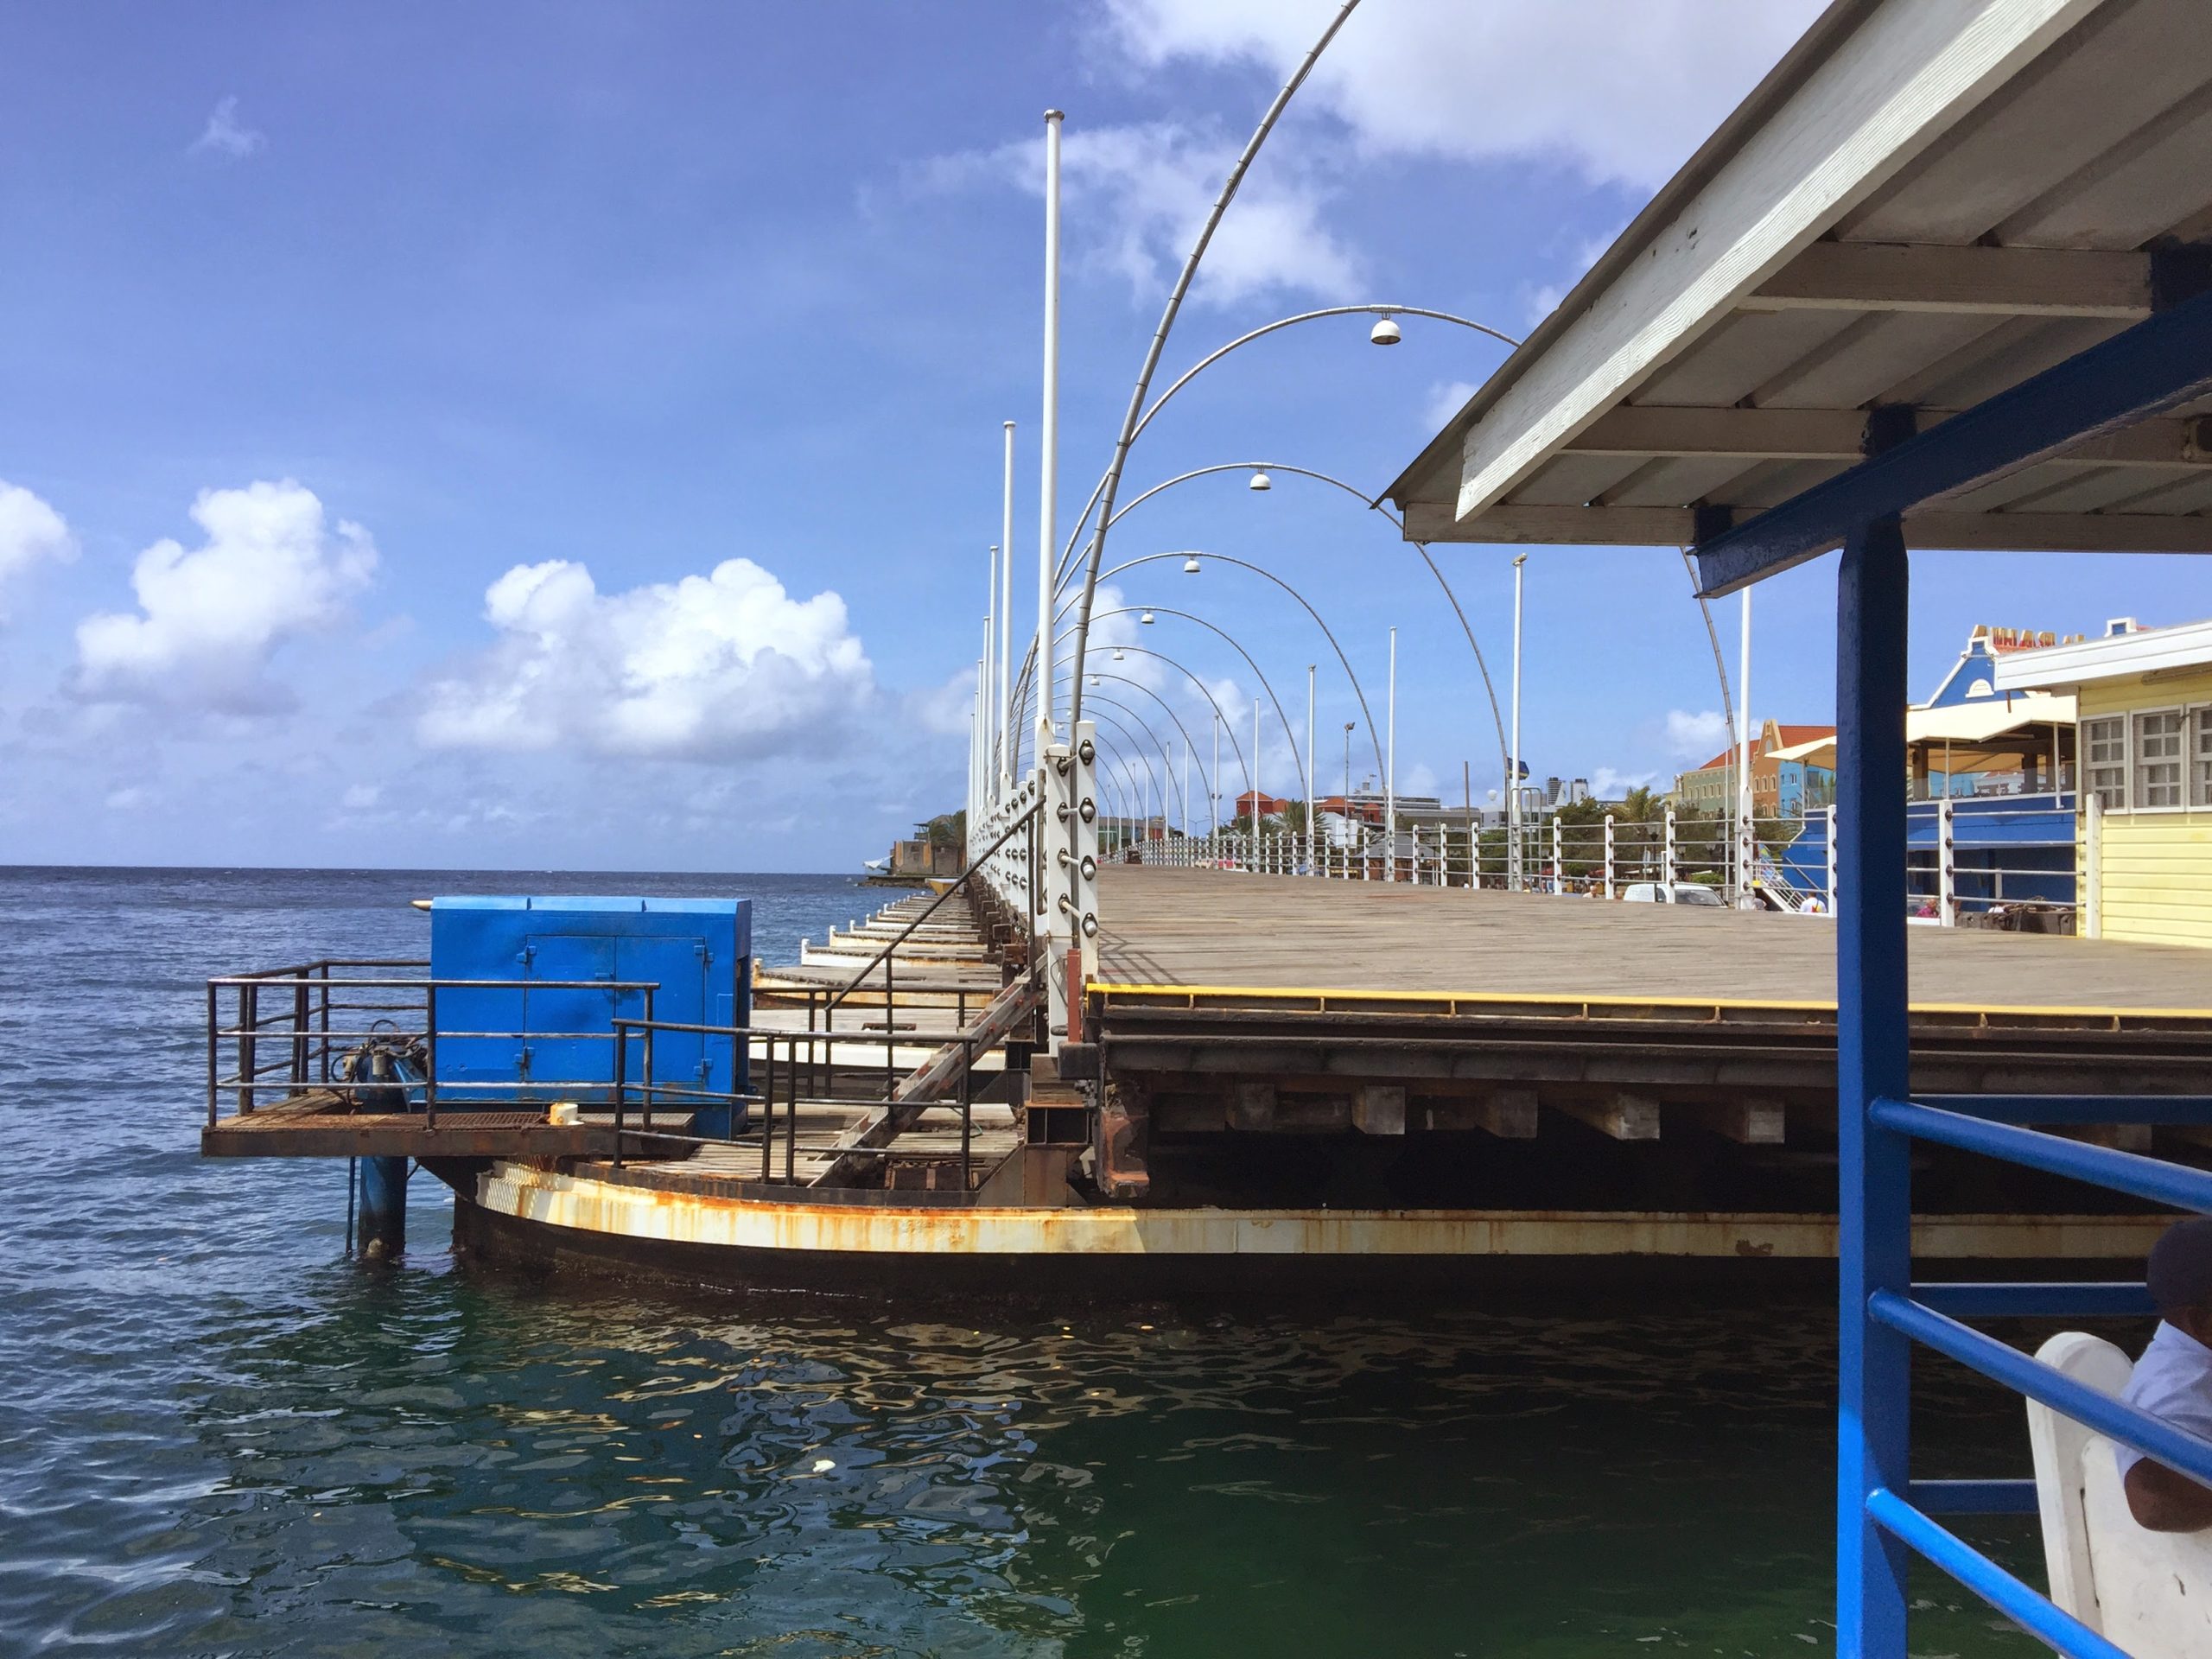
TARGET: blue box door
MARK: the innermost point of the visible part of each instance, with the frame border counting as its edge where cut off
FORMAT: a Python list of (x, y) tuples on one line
[(678, 966), (567, 1042)]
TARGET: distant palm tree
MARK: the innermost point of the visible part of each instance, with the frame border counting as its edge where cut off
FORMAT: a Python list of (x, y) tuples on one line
[(1640, 805)]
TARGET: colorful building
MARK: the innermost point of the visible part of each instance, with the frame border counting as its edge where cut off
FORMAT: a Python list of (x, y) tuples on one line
[(1973, 676), (2144, 827), (1785, 780)]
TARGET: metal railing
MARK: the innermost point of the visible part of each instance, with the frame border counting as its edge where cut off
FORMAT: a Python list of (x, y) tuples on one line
[(1973, 872), (329, 1009), (795, 1074), (1933, 1315), (325, 1012)]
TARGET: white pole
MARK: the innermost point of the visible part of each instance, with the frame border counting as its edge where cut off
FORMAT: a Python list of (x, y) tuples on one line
[(1256, 781), (1745, 857), (1186, 788), (1390, 771), (1946, 878), (1213, 784), (1007, 716), (1313, 760), (1513, 764), (994, 696), (2088, 884), (1049, 435)]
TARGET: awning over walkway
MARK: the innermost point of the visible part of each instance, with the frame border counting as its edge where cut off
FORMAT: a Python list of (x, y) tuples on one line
[(1927, 202), (1971, 736)]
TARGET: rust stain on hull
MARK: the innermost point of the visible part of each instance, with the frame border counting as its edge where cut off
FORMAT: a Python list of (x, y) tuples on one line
[(642, 1213)]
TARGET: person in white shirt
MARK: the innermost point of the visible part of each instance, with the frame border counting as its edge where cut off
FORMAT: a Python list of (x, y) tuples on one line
[(2173, 1380)]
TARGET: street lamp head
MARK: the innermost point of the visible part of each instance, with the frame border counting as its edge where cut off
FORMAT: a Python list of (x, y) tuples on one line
[(1120, 655), (1351, 725), (1384, 333), (1191, 565), (1145, 618), (1261, 481)]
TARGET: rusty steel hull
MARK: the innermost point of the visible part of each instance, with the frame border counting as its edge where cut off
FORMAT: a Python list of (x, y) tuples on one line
[(533, 1216)]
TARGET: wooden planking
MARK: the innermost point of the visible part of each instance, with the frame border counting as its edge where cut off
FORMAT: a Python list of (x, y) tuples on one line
[(1900, 80), (1379, 1108), (1998, 282), (2076, 103), (1865, 363), (1220, 929), (2138, 190), (1623, 1117), (1753, 1122)]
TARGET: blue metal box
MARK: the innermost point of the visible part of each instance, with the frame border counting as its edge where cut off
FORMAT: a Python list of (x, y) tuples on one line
[(696, 952)]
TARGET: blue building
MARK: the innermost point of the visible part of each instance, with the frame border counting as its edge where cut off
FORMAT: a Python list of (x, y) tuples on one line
[(2004, 761)]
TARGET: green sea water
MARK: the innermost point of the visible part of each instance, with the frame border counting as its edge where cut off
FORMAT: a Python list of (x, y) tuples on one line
[(219, 1436)]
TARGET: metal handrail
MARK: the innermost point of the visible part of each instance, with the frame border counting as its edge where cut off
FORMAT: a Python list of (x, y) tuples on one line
[(969, 1039), (883, 956)]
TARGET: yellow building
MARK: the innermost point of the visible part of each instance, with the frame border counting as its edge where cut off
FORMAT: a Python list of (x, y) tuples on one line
[(2144, 830)]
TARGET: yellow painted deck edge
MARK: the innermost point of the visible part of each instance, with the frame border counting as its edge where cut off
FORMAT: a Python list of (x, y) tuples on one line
[(1564, 998)]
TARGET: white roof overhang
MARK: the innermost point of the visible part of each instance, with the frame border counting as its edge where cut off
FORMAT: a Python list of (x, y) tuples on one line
[(1926, 203), (2145, 650)]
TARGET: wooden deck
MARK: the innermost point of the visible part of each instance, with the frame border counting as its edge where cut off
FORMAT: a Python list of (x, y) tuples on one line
[(318, 1123), (1211, 931)]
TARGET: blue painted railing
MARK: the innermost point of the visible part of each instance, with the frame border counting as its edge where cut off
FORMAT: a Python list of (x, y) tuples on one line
[(2154, 367)]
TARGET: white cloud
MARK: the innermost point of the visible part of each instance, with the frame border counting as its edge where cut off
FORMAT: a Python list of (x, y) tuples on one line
[(210, 619), (129, 798), (31, 531), (1446, 399), (1133, 198), (945, 710), (225, 136), (710, 667), (359, 798), (1620, 92), (1695, 736), (1608, 785)]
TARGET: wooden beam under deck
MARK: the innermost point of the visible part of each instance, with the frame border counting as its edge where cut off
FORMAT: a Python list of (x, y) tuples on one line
[(1487, 1009)]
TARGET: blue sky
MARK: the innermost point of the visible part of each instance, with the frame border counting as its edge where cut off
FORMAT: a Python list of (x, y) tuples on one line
[(568, 435)]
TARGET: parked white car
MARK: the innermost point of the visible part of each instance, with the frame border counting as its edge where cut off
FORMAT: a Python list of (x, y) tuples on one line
[(1677, 893)]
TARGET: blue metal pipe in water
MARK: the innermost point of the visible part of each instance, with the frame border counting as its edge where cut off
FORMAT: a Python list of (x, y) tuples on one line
[(381, 1224)]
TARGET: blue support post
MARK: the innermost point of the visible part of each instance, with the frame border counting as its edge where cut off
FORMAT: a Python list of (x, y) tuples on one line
[(381, 1224), (1874, 1237)]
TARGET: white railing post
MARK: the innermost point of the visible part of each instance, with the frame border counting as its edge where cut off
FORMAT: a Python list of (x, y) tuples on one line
[(1947, 868), (2089, 879), (1834, 862), (1083, 847), (1053, 903), (1668, 866), (1609, 855), (1559, 859)]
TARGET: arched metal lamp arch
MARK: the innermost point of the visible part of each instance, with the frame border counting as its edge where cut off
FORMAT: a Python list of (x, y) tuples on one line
[(1103, 499), (1146, 726), (1075, 536), (1168, 709), (1023, 700), (1373, 505), (1282, 714), (1227, 726), (1358, 690)]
